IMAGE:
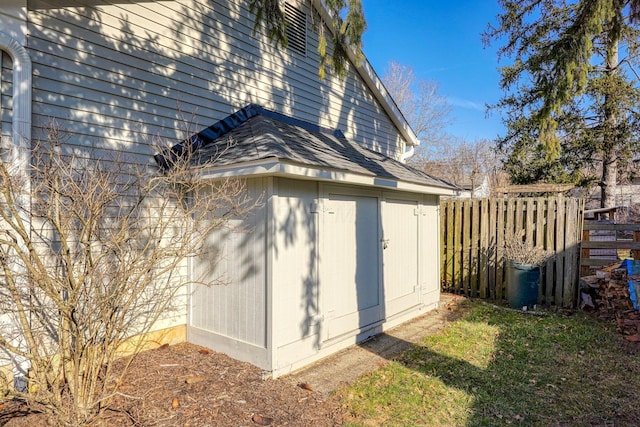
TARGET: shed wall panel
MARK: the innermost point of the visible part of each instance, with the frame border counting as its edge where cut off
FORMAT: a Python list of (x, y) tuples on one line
[(400, 223), (430, 250), (295, 267), (231, 301), (349, 260)]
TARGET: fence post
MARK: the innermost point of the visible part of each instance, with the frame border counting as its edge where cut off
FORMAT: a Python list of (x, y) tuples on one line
[(569, 293)]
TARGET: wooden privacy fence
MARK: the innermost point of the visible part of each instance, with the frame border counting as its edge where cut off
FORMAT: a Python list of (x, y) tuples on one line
[(472, 242)]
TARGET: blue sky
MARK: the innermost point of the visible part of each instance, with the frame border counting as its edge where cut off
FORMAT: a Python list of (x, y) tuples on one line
[(441, 41)]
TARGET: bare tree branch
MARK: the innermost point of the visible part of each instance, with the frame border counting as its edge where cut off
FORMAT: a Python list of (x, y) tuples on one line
[(99, 262)]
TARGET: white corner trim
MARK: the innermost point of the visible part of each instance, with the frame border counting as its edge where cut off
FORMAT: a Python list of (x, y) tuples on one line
[(21, 134), (21, 92)]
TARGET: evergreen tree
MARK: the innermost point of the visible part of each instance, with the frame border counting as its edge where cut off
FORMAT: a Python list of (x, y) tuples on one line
[(569, 103), (347, 24)]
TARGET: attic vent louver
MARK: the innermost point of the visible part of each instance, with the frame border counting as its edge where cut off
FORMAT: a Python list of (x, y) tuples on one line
[(297, 29)]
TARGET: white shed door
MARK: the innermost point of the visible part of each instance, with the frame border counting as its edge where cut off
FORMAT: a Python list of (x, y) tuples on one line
[(400, 255), (350, 263)]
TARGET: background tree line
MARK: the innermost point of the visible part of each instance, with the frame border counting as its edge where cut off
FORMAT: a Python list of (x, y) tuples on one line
[(569, 104)]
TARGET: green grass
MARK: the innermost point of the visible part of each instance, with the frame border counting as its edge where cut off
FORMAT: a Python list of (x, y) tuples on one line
[(495, 367)]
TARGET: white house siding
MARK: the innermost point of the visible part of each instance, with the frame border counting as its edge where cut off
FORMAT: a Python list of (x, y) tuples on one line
[(120, 76), (13, 17)]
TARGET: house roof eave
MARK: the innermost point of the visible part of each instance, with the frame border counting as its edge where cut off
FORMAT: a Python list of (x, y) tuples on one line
[(368, 74)]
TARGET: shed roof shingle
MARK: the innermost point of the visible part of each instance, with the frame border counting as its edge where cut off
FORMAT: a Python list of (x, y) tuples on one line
[(254, 133)]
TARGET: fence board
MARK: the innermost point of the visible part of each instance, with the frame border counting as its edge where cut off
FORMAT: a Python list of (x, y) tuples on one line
[(550, 232), (483, 248), (448, 260), (491, 247), (518, 224), (530, 225), (616, 244), (500, 213), (474, 255), (474, 277), (620, 227), (539, 236), (457, 248), (560, 254), (466, 237)]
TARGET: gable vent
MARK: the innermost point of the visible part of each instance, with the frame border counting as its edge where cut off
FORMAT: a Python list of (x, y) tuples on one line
[(297, 29)]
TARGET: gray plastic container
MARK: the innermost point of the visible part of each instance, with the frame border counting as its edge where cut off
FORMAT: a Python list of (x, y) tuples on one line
[(523, 282)]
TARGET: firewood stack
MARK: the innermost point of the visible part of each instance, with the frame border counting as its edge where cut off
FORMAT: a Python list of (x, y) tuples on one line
[(606, 294)]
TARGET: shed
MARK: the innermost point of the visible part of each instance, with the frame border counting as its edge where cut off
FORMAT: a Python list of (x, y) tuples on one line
[(343, 246)]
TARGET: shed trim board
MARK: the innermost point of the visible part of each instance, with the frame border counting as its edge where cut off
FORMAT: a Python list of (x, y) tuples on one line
[(277, 167), (271, 191)]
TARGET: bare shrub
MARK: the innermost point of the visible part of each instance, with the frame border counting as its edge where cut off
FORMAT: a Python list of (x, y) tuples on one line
[(93, 252), (517, 249)]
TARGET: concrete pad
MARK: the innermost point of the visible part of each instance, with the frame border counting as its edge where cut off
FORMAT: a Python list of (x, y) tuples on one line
[(344, 367)]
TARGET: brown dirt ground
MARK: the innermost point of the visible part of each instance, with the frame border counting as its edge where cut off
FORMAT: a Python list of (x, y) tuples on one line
[(211, 389), (187, 385)]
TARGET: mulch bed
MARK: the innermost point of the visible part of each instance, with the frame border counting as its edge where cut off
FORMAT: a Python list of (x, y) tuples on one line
[(187, 385)]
